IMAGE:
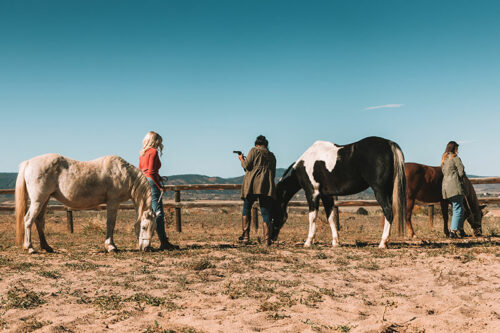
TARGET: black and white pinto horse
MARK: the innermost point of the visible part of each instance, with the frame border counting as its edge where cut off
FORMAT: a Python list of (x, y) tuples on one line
[(326, 170)]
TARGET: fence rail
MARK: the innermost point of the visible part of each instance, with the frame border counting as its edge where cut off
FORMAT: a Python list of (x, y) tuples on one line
[(177, 204)]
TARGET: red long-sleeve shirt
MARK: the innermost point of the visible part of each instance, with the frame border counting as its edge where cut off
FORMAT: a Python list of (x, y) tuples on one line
[(150, 164)]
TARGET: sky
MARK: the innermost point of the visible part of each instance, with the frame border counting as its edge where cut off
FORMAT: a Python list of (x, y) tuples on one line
[(90, 78)]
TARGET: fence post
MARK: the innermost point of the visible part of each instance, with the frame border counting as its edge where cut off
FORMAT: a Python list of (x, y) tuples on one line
[(178, 223), (430, 213), (336, 215), (69, 216), (255, 218)]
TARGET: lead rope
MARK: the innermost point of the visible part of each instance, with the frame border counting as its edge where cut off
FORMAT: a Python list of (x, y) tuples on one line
[(163, 181)]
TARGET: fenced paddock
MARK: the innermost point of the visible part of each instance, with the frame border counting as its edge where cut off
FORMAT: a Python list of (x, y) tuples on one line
[(177, 204), (214, 284)]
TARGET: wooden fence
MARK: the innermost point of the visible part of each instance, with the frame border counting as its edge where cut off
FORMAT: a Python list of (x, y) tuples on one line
[(177, 204)]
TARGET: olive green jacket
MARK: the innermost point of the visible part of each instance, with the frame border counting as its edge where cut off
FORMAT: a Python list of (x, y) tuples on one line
[(260, 170), (453, 172)]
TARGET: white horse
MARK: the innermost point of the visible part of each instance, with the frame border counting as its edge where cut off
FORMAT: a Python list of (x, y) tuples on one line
[(81, 185)]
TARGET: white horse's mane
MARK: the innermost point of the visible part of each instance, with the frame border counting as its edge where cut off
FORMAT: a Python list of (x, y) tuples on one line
[(140, 190)]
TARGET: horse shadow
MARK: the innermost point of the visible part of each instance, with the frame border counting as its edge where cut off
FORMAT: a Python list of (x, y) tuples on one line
[(424, 244), (434, 244), (183, 248)]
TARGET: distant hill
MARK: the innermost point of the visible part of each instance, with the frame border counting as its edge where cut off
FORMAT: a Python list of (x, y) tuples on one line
[(200, 179), (8, 180)]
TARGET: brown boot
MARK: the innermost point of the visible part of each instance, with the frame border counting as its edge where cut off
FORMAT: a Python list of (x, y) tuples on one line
[(245, 226), (266, 234)]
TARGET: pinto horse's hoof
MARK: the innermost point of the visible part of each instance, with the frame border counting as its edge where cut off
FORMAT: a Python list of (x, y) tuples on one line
[(48, 249), (112, 249), (31, 250)]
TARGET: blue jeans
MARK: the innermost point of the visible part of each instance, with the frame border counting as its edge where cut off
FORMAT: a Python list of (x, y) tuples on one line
[(158, 208), (458, 218), (265, 204)]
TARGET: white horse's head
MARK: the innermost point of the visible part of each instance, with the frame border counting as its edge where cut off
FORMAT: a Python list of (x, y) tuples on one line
[(144, 230)]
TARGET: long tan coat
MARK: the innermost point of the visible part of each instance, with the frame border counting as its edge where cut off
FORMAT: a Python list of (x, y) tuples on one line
[(260, 167), (453, 172)]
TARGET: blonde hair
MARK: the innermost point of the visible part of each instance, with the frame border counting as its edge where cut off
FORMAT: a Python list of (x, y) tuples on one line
[(450, 151), (152, 140)]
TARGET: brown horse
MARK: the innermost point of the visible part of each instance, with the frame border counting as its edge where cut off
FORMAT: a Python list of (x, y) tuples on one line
[(423, 183)]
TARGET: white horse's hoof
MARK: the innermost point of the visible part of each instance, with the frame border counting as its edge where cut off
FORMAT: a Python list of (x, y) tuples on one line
[(335, 244), (307, 244), (382, 246), (31, 250)]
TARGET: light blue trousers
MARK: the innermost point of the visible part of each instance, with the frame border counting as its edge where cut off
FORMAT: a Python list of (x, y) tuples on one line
[(458, 218)]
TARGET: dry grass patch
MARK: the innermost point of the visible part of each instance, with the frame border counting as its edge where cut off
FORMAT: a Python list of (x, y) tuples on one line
[(20, 297)]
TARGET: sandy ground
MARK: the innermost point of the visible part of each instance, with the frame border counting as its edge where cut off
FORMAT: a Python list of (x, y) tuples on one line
[(214, 284)]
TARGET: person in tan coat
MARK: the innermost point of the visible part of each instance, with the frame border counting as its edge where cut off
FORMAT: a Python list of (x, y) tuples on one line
[(452, 187), (258, 183)]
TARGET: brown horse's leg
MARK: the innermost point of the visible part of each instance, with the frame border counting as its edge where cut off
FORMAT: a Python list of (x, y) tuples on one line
[(410, 203), (444, 211), (40, 225)]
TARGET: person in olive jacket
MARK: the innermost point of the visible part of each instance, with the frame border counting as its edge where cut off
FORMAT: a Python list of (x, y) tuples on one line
[(258, 183), (452, 187)]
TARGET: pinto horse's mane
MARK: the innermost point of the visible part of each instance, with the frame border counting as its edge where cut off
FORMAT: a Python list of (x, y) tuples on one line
[(287, 172)]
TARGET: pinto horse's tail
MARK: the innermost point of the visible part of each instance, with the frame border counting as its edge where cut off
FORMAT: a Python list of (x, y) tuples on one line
[(399, 189), (21, 203)]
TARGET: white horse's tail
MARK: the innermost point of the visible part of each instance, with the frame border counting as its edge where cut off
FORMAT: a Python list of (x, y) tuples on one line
[(399, 189), (21, 203)]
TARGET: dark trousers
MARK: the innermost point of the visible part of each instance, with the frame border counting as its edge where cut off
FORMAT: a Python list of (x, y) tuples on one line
[(265, 204), (158, 208)]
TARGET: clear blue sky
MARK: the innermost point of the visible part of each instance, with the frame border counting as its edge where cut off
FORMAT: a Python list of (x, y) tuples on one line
[(90, 78)]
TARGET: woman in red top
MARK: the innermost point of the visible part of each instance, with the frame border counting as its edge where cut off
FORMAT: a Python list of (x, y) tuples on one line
[(149, 163)]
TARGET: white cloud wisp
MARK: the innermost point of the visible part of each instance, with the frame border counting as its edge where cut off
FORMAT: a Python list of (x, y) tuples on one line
[(384, 106)]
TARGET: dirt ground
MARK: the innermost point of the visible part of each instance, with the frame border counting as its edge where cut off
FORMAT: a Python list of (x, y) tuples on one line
[(214, 284)]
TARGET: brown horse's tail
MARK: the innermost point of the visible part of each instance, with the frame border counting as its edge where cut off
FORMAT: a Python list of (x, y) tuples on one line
[(399, 189), (21, 203)]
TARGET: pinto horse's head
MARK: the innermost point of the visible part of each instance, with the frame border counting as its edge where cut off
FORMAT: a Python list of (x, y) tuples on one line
[(285, 190), (279, 213), (279, 217), (144, 230)]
